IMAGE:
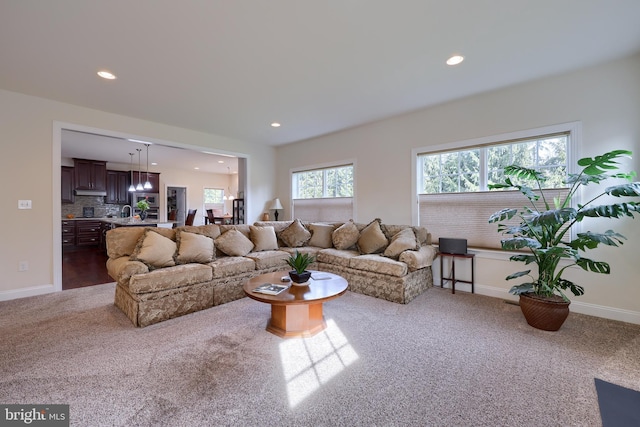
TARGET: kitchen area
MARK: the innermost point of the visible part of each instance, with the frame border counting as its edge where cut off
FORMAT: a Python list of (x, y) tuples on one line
[(104, 177), (96, 199)]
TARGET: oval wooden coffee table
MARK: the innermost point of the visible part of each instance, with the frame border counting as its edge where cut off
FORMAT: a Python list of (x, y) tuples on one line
[(297, 311)]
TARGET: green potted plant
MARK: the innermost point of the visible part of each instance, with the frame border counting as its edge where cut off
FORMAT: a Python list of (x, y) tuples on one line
[(544, 233), (143, 205), (299, 262)]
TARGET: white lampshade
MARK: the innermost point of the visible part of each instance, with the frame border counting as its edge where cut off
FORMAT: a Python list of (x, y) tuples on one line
[(275, 204)]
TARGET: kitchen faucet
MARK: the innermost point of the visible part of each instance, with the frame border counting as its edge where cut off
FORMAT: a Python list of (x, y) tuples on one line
[(130, 210)]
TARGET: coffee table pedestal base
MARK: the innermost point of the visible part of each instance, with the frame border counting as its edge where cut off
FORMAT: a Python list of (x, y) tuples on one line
[(296, 320)]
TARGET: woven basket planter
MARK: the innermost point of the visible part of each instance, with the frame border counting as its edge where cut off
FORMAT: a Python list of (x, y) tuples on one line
[(544, 313)]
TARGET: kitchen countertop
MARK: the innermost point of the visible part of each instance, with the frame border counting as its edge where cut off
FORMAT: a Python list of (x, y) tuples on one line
[(122, 221)]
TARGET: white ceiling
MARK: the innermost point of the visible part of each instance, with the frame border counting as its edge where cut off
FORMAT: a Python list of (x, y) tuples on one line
[(82, 145), (232, 67)]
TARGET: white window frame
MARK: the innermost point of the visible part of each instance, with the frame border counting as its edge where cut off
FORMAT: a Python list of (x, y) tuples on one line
[(329, 165), (574, 129), (215, 206)]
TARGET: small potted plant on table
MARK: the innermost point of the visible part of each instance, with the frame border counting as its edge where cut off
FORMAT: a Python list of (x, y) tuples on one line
[(542, 231), (299, 262), (143, 205)]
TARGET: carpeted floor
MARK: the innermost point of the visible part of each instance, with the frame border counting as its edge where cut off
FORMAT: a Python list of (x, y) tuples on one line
[(442, 360)]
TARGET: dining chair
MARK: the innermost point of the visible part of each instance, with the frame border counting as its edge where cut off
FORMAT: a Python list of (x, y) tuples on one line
[(191, 215)]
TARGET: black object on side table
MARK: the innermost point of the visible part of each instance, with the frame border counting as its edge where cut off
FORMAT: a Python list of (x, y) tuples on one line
[(453, 279)]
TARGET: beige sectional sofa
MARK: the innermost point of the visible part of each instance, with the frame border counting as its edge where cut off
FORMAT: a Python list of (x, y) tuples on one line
[(165, 273)]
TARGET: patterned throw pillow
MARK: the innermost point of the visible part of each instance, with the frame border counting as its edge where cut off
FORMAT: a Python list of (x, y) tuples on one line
[(194, 247), (372, 240), (233, 243), (263, 238), (400, 242), (345, 236), (154, 250), (321, 235), (295, 235)]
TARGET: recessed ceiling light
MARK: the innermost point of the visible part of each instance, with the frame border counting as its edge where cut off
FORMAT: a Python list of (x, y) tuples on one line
[(154, 164), (197, 168), (106, 75), (220, 161), (455, 60), (275, 125)]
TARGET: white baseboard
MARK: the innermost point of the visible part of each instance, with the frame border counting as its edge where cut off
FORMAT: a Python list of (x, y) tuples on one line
[(605, 312), (26, 292)]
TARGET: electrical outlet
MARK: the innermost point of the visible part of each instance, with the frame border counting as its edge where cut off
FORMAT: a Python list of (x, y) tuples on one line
[(23, 266), (24, 204)]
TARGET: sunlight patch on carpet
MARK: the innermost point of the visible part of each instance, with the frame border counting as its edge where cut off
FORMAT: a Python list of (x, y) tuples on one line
[(309, 363)]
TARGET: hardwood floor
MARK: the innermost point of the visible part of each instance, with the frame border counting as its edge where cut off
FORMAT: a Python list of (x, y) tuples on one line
[(84, 266)]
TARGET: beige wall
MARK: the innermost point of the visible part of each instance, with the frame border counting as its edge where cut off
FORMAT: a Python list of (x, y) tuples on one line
[(29, 161), (605, 99)]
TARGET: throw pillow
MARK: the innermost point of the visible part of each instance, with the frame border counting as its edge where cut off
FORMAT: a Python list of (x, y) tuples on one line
[(372, 240), (400, 242), (321, 235), (263, 238), (194, 247), (154, 250), (295, 235), (345, 236), (233, 243)]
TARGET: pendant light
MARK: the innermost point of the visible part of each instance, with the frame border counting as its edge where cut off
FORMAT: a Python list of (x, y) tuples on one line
[(147, 184), (229, 197), (139, 187), (131, 187)]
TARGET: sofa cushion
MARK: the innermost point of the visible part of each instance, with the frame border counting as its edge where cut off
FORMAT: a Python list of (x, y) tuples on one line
[(336, 256), (372, 240), (295, 235), (263, 238), (234, 243), (345, 236), (231, 266), (321, 235), (154, 250), (402, 241), (269, 259), (170, 278), (243, 228), (122, 241), (194, 247), (379, 264)]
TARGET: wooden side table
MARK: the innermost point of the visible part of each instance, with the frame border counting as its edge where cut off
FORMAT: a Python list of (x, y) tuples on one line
[(453, 279)]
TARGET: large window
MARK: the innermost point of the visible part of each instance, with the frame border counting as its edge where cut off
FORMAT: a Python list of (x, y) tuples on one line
[(453, 195), (464, 171), (323, 194)]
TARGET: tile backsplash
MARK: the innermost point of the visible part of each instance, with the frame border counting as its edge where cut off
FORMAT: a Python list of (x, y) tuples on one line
[(100, 208)]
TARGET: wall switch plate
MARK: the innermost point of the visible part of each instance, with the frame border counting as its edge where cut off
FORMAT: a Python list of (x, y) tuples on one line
[(23, 266), (24, 204)]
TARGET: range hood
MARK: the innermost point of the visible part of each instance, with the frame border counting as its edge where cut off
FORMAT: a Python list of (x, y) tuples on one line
[(90, 193)]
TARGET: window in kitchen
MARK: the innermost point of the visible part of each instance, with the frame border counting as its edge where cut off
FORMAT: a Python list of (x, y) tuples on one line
[(453, 181), (323, 193)]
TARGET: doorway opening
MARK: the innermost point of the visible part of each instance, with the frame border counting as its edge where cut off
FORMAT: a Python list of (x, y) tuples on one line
[(177, 204)]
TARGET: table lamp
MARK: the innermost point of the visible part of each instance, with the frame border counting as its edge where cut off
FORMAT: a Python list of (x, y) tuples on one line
[(275, 205)]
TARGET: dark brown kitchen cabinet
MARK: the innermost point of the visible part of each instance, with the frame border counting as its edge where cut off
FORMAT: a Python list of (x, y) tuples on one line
[(90, 174), (87, 232), (154, 179), (68, 233), (118, 187), (67, 185)]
